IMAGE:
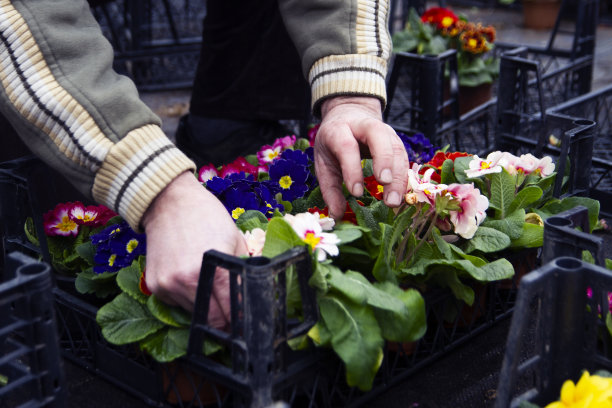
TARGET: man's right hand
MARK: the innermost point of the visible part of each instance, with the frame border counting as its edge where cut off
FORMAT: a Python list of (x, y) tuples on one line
[(183, 222)]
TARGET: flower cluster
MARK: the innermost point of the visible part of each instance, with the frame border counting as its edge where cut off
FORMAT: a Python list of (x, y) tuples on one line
[(438, 30), (116, 247), (66, 219), (523, 165)]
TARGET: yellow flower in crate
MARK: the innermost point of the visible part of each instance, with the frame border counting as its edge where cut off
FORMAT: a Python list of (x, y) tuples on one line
[(591, 391)]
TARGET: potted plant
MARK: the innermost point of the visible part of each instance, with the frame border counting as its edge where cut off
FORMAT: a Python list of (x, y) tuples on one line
[(538, 14), (438, 30)]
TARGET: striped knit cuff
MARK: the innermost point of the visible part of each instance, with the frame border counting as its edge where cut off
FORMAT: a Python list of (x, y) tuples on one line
[(136, 170), (346, 75)]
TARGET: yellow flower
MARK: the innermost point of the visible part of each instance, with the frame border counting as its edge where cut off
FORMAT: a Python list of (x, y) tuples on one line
[(591, 391)]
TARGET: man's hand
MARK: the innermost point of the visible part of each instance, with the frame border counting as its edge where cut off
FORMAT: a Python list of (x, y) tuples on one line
[(350, 125), (183, 222)]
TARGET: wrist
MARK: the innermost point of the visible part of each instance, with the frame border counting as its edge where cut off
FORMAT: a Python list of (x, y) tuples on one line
[(369, 103)]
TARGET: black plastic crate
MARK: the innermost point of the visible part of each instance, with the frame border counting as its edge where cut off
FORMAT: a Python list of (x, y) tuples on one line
[(556, 331), (423, 97), (30, 366), (596, 106), (156, 42), (258, 371)]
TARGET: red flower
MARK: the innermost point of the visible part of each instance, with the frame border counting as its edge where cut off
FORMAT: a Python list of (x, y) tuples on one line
[(59, 222), (349, 215), (312, 133), (237, 166), (440, 16), (438, 160), (374, 187), (142, 284)]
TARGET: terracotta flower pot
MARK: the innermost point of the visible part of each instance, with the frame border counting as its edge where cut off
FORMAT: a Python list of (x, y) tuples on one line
[(470, 97), (540, 14)]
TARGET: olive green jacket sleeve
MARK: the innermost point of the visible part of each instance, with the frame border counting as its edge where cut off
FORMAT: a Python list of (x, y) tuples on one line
[(58, 90), (345, 46)]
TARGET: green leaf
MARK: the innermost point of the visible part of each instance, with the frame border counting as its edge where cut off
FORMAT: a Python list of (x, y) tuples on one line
[(382, 270), (174, 316), (407, 326), (280, 237), (558, 206), (487, 240), (125, 320), (502, 192), (532, 236), (525, 197), (355, 287), (461, 165), (167, 344), (252, 219), (100, 284), (512, 225), (443, 246), (448, 278), (371, 216), (356, 339), (87, 251), (347, 232), (128, 279), (30, 231), (447, 174)]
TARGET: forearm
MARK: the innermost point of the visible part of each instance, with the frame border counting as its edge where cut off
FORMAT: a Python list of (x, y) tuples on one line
[(60, 93), (345, 46)]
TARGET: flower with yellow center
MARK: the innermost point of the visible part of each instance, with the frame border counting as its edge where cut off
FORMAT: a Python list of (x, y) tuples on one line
[(285, 182), (66, 224), (308, 227)]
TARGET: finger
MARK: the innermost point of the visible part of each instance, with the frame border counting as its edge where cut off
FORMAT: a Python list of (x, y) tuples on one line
[(342, 144), (219, 314), (394, 191), (330, 183), (379, 137)]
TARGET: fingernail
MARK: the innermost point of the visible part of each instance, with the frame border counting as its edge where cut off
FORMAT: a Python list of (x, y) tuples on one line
[(357, 189), (393, 199), (386, 176)]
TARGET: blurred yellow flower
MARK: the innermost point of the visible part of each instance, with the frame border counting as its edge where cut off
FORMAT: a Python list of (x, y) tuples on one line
[(591, 391)]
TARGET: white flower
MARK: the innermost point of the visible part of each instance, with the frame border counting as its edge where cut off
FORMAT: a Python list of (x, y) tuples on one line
[(327, 223), (528, 163), (308, 228), (255, 241), (546, 166), (425, 190), (479, 167)]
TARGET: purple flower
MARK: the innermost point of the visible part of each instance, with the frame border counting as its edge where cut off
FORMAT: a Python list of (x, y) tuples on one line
[(290, 177), (419, 148), (240, 192), (116, 247)]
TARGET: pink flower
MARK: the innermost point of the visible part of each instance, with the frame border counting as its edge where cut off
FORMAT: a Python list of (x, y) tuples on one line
[(92, 215), (237, 166), (207, 172), (312, 133), (255, 241), (58, 222), (473, 206), (267, 154), (285, 142)]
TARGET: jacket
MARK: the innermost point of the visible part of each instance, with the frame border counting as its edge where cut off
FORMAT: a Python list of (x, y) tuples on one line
[(60, 93)]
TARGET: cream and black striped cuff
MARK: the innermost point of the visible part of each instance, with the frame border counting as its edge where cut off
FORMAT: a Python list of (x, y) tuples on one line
[(136, 170), (346, 75)]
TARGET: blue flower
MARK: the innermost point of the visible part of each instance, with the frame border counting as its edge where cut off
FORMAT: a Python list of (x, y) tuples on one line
[(116, 247), (240, 192), (289, 177), (419, 148)]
